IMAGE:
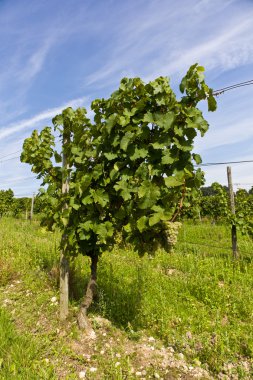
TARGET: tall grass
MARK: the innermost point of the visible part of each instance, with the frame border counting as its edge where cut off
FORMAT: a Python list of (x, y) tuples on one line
[(196, 299), (20, 356)]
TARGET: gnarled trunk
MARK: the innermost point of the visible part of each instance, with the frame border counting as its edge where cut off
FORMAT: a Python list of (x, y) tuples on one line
[(91, 290)]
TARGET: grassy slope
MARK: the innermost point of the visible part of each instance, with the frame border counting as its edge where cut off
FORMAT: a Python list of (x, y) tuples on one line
[(196, 300)]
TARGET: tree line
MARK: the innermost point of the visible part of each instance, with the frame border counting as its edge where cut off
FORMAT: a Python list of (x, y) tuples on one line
[(18, 207), (212, 203)]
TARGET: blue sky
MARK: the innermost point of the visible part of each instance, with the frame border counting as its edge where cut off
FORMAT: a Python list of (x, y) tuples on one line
[(55, 54)]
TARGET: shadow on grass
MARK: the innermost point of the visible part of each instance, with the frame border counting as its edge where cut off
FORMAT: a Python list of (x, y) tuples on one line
[(118, 298)]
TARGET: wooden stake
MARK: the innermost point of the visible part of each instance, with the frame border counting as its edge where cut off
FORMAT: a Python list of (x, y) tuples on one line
[(232, 205), (64, 264), (31, 212)]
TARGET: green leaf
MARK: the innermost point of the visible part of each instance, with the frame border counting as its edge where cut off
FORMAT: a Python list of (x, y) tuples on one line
[(97, 171), (127, 227), (78, 160), (126, 140), (64, 221), (154, 219), (130, 112), (73, 204), (148, 193), (100, 196), (87, 200), (142, 223), (182, 85), (212, 104), (172, 182), (104, 230), (158, 145), (138, 153), (110, 156), (197, 158), (124, 120), (77, 151), (57, 157), (164, 121), (149, 118), (84, 235), (183, 144), (166, 158), (111, 122), (124, 190), (87, 226)]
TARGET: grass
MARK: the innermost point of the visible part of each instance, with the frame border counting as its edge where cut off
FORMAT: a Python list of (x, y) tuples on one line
[(196, 300), (20, 356), (200, 304)]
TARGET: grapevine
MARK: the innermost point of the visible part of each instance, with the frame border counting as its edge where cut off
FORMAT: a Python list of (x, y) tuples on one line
[(126, 167)]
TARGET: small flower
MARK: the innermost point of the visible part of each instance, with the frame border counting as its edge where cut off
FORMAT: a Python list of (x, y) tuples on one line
[(82, 375)]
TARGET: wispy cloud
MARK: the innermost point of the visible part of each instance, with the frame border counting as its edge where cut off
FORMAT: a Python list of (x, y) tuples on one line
[(43, 116), (241, 173), (227, 135), (72, 49), (175, 37), (35, 61)]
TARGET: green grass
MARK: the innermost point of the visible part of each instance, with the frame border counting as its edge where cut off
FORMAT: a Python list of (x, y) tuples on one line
[(196, 299), (202, 306), (20, 357)]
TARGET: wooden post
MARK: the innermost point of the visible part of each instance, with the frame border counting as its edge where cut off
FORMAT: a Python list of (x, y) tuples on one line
[(64, 264), (232, 205), (31, 212)]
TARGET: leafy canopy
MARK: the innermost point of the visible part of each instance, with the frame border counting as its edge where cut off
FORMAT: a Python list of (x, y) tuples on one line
[(128, 169)]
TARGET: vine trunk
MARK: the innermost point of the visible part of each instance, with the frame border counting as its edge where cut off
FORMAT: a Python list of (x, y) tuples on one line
[(91, 290)]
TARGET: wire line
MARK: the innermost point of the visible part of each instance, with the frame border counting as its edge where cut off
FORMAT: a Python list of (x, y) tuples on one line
[(232, 87), (10, 154), (9, 159), (16, 180), (224, 163)]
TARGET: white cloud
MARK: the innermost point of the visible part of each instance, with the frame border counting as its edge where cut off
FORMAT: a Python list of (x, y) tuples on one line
[(101, 43), (226, 135), (35, 61), (165, 40), (241, 173), (45, 115), (222, 51)]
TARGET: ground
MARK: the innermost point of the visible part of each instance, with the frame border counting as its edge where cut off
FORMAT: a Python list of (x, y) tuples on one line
[(183, 316)]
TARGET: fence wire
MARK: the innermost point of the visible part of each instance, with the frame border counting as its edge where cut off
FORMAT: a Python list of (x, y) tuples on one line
[(213, 246)]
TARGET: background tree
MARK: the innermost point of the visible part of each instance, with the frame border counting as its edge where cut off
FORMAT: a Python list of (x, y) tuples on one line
[(244, 211), (21, 206), (6, 201), (215, 205)]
